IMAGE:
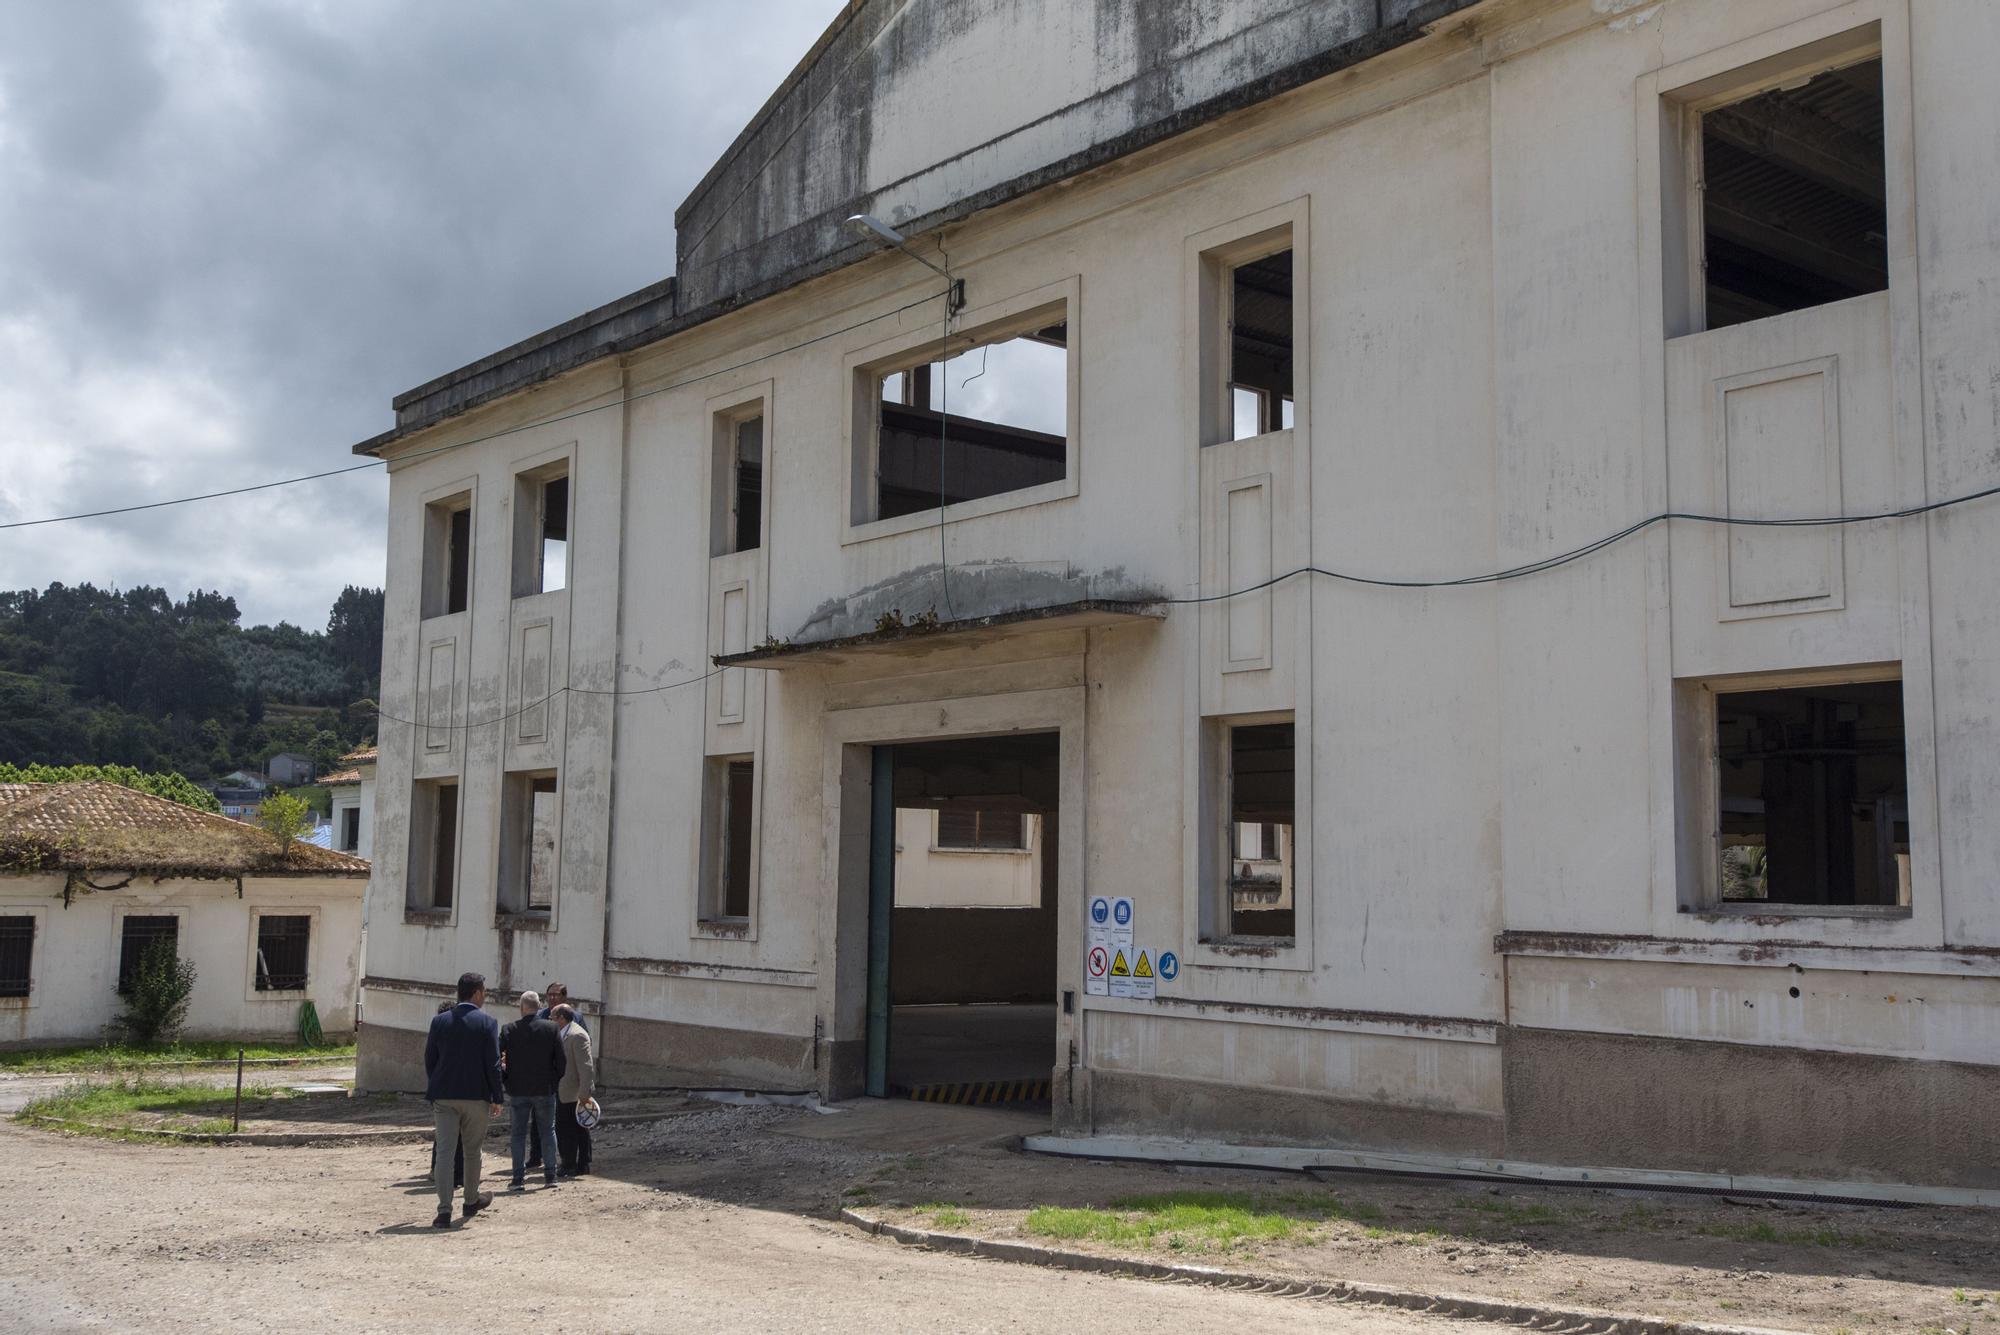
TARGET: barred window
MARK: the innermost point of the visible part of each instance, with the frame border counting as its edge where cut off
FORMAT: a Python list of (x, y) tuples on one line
[(960, 827), (142, 933), (17, 953), (282, 940)]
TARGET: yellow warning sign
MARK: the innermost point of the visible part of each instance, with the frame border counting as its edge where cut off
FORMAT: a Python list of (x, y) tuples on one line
[(1144, 969), (1119, 968)]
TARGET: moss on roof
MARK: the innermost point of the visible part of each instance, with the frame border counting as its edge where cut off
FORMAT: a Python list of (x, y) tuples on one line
[(93, 827)]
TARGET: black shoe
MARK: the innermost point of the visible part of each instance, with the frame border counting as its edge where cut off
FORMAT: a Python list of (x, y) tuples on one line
[(517, 1185), (582, 1170), (548, 1181), (534, 1163), (443, 1219), (566, 1171), (475, 1206)]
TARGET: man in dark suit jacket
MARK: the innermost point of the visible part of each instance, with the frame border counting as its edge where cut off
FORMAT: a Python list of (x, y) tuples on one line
[(462, 1066), (532, 1053)]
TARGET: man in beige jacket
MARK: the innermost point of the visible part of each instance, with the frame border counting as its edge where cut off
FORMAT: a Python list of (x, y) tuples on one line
[(578, 1086)]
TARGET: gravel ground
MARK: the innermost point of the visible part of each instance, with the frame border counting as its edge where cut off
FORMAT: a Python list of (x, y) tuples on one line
[(706, 1221)]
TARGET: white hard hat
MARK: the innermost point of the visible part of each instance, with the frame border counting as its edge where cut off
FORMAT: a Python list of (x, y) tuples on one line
[(587, 1114)]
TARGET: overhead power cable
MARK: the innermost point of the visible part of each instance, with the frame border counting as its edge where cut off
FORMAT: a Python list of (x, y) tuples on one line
[(474, 440), (1578, 553)]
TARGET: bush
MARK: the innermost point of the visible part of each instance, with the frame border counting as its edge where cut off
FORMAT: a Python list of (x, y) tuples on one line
[(156, 1005), (284, 817)]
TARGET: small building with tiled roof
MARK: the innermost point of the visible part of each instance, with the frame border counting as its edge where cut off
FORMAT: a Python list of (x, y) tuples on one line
[(93, 875), (353, 792)]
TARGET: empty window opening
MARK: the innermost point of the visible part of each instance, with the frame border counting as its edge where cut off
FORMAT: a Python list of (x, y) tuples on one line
[(747, 490), (731, 805), (1257, 900), (350, 829), (990, 420), (970, 827), (284, 943), (140, 937), (17, 954), (1814, 796), (1793, 196), (433, 847), (528, 818), (1260, 345), (447, 556), (541, 535)]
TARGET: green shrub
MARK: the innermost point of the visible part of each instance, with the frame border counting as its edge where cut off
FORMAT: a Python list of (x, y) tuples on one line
[(156, 1004), (284, 817)]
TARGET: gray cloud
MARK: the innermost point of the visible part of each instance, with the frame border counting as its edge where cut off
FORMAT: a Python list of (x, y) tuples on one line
[(229, 232)]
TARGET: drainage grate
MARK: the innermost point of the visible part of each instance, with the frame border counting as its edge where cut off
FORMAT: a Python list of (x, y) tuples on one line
[(981, 1092)]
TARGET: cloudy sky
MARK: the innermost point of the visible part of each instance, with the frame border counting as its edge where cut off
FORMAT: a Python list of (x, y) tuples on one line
[(231, 230)]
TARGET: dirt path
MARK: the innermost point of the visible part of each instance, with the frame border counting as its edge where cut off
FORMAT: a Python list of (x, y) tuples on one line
[(167, 1239)]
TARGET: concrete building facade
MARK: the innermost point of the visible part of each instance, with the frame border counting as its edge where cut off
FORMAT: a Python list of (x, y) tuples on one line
[(1276, 518)]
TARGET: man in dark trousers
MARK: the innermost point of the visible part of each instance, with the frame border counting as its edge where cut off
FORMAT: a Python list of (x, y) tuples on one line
[(556, 995), (462, 1067), (532, 1053), (578, 1086)]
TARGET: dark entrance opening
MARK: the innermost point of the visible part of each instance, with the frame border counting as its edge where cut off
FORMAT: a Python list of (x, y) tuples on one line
[(962, 939)]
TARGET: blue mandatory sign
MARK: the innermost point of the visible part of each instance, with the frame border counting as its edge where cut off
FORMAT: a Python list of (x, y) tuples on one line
[(1124, 913), (1170, 965), (1100, 909)]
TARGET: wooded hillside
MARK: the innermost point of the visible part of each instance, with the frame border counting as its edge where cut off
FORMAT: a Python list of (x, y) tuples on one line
[(100, 676)]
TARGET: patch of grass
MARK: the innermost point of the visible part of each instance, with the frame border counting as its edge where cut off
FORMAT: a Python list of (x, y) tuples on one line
[(1185, 1220), (946, 1216), (135, 1106), (112, 1056), (1762, 1231), (1518, 1214)]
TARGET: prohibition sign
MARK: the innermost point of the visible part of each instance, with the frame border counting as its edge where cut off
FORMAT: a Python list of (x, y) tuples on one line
[(1099, 962)]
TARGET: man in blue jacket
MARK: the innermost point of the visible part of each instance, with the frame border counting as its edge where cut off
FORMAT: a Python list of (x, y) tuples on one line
[(462, 1066)]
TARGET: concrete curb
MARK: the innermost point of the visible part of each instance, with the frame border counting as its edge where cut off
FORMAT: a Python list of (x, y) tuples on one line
[(201, 1063), (389, 1135), (1570, 1321)]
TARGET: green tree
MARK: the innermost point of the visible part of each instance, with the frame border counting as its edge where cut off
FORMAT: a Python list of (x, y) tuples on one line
[(156, 1003), (173, 787), (285, 817)]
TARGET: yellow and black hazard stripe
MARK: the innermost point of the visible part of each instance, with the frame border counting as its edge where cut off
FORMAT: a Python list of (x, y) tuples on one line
[(971, 1092)]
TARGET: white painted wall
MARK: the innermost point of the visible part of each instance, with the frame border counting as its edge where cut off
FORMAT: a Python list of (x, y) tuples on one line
[(75, 967), (931, 877), (1487, 381)]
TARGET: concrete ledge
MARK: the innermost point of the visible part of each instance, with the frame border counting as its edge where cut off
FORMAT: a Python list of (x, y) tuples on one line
[(1736, 1108), (1191, 1109), (666, 1054), (1572, 1321)]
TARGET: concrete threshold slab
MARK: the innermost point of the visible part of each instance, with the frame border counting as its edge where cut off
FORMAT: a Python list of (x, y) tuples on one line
[(909, 1127), (1306, 1159), (1570, 1321)]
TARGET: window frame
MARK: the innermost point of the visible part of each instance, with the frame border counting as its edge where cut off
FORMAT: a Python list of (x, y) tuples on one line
[(421, 852), (1741, 70), (119, 919), (38, 927), (1206, 939), (1698, 801), (711, 898), (435, 530), (726, 416), (514, 785), (1022, 849), (259, 912), (1214, 255), (992, 322), (532, 476)]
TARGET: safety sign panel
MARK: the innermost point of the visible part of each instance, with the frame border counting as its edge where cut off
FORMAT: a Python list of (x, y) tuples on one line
[(1121, 972), (1170, 965), (1097, 967), (1121, 920), (1143, 980)]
